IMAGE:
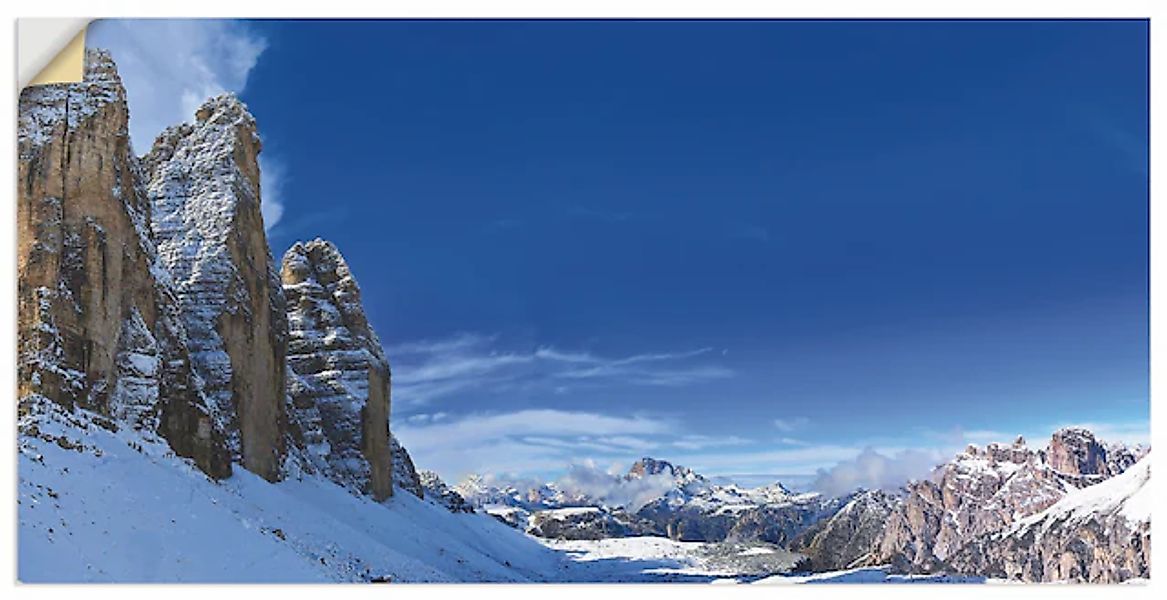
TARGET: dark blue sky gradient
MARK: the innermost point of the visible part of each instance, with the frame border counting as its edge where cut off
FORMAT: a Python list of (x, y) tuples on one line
[(886, 226)]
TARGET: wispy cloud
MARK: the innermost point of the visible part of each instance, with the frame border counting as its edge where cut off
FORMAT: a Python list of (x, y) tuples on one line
[(170, 66), (526, 441), (749, 231), (790, 424), (700, 442), (430, 369)]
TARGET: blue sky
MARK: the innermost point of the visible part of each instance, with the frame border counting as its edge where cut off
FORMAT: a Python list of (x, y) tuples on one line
[(750, 247)]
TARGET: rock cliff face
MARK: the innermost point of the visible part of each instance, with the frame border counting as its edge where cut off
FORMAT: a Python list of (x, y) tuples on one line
[(203, 182), (1076, 451), (340, 377), (148, 296), (99, 325), (1098, 534), (846, 538), (983, 490)]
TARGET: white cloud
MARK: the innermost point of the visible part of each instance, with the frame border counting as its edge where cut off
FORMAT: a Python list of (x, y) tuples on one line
[(872, 469), (272, 176), (170, 66), (798, 459), (430, 369), (587, 479)]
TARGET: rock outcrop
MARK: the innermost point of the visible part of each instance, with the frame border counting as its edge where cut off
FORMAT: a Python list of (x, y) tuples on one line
[(203, 183), (405, 475), (983, 490), (846, 539), (1098, 534), (99, 322), (435, 489), (587, 523), (1075, 451), (339, 383), (149, 297)]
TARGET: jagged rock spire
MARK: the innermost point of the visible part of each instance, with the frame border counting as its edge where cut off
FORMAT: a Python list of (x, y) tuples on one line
[(338, 375), (203, 182), (98, 322)]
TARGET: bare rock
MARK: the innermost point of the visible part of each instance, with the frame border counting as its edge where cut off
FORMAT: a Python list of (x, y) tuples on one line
[(846, 539), (405, 475), (435, 489), (339, 376), (98, 324), (1098, 534), (203, 184), (985, 490)]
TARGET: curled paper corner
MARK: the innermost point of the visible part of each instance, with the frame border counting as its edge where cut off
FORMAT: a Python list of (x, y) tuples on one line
[(50, 50)]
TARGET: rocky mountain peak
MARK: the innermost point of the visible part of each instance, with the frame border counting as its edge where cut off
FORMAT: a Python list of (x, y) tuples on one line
[(648, 466), (225, 109), (1100, 533), (99, 322), (1076, 451), (982, 490), (338, 376), (203, 184), (100, 68)]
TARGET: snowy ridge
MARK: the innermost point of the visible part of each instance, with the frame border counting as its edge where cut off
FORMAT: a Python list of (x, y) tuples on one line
[(1127, 495)]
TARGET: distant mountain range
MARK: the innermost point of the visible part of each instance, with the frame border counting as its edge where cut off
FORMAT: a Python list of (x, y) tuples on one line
[(959, 507)]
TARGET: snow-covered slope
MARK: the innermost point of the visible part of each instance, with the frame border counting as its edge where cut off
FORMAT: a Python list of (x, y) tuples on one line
[(102, 505)]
